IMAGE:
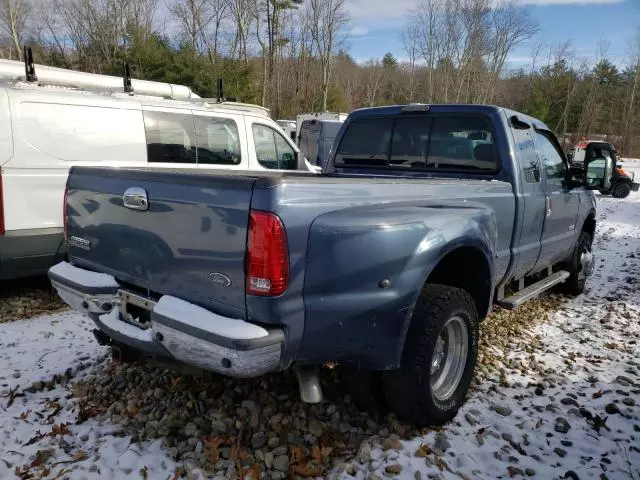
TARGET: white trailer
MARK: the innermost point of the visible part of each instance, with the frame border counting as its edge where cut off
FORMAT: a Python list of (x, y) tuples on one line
[(340, 117)]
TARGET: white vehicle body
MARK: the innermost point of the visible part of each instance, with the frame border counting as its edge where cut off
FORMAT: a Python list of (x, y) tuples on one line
[(47, 128), (340, 117)]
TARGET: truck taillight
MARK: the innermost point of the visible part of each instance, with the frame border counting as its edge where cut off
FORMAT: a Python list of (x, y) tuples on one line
[(267, 255), (64, 213), (2, 228)]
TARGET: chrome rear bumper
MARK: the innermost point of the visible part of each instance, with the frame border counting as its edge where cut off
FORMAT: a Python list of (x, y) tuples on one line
[(178, 329)]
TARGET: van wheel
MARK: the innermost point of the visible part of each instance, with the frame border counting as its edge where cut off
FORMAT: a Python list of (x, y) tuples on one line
[(438, 359), (580, 267), (621, 190)]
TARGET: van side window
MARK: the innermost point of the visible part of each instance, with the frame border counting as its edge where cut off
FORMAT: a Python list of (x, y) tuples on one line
[(218, 141), (272, 150), (552, 159), (171, 137), (527, 155)]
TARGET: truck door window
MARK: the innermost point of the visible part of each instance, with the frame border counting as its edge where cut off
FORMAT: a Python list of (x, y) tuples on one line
[(552, 160), (218, 141), (272, 150), (527, 155), (170, 137)]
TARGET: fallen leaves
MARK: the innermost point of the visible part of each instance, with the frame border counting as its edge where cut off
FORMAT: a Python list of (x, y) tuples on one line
[(212, 447), (12, 395), (85, 412), (24, 415), (61, 430), (422, 451), (301, 465)]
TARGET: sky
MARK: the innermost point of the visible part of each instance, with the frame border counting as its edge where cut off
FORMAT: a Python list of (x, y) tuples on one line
[(376, 28)]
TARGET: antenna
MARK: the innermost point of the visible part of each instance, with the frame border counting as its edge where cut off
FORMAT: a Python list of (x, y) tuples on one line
[(128, 88), (220, 91), (29, 66)]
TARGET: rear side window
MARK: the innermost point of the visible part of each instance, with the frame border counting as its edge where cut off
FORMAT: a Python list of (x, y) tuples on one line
[(448, 143), (218, 141), (171, 137), (527, 155)]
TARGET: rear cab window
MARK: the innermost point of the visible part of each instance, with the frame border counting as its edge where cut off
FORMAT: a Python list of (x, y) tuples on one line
[(439, 142)]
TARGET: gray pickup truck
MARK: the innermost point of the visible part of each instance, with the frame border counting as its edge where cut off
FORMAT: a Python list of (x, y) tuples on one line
[(423, 218)]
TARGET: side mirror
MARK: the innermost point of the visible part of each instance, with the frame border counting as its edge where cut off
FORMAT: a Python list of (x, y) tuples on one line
[(598, 173), (575, 176)]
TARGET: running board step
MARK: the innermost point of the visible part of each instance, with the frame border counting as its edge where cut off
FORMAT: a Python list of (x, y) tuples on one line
[(532, 291)]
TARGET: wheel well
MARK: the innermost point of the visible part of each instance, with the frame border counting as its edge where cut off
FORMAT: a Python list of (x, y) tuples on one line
[(466, 268), (589, 225)]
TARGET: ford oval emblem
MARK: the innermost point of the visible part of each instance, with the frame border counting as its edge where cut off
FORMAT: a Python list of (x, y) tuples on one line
[(220, 279)]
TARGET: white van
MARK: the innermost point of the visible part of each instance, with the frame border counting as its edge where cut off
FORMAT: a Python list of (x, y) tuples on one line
[(46, 128)]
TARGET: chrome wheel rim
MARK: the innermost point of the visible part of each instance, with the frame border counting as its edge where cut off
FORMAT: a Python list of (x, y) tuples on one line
[(449, 358)]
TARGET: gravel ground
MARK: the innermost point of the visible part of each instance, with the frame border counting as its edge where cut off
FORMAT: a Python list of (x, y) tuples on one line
[(27, 297), (556, 395), (227, 426)]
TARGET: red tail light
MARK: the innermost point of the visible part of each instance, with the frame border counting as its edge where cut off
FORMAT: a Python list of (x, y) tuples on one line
[(267, 255), (2, 228), (64, 214)]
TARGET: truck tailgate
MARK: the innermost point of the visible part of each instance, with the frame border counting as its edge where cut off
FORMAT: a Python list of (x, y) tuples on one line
[(190, 241)]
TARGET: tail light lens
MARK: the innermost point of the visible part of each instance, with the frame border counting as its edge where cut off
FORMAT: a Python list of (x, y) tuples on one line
[(2, 227), (267, 255), (64, 214)]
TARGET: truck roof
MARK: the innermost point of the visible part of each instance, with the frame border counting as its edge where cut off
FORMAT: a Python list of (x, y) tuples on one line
[(446, 108)]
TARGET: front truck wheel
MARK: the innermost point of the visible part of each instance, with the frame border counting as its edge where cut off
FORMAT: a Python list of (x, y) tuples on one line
[(580, 266), (438, 359)]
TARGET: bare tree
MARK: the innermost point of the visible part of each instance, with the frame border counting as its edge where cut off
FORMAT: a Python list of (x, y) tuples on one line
[(510, 26), (200, 22), (242, 17), (374, 74), (427, 26), (632, 91), (328, 19), (410, 39), (13, 15)]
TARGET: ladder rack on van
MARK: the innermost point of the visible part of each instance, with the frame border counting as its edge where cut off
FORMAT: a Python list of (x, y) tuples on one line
[(30, 75), (231, 105), (14, 71)]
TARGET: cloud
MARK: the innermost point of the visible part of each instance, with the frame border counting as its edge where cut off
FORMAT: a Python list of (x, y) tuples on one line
[(358, 31), (568, 2), (383, 13)]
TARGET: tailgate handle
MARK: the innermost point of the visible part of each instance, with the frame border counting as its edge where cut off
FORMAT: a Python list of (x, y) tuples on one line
[(135, 198)]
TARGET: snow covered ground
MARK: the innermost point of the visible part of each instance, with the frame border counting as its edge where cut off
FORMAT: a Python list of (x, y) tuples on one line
[(566, 405)]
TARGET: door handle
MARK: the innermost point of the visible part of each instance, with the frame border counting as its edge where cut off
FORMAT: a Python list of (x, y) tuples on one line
[(136, 198), (547, 206)]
